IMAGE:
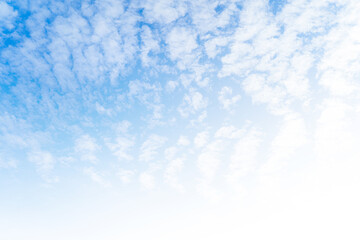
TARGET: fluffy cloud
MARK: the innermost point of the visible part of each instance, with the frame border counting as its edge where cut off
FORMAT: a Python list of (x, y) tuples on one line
[(163, 11), (7, 16), (341, 51), (275, 55), (181, 44), (226, 98), (213, 46), (192, 103)]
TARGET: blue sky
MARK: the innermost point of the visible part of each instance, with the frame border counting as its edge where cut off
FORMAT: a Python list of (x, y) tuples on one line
[(129, 113)]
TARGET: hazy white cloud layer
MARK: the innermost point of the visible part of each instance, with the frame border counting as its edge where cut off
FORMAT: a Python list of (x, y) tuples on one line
[(229, 119)]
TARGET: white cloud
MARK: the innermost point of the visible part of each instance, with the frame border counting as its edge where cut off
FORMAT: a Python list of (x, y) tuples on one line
[(207, 20), (339, 66), (262, 92), (102, 110), (163, 11), (192, 103), (212, 46), (296, 81), (66, 160), (201, 139), (150, 147), (44, 162), (86, 146), (149, 95), (171, 85), (227, 99), (276, 55), (92, 50), (7, 16), (202, 116), (96, 176), (181, 44), (121, 148), (111, 8), (229, 132), (143, 91), (86, 143), (123, 126)]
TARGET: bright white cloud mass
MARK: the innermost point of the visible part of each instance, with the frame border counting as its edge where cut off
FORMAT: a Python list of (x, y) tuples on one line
[(226, 119)]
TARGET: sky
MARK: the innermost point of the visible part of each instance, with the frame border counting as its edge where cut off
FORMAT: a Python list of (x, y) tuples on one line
[(165, 119)]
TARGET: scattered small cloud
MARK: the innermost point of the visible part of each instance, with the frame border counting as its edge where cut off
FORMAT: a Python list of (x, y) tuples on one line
[(86, 147), (227, 99)]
